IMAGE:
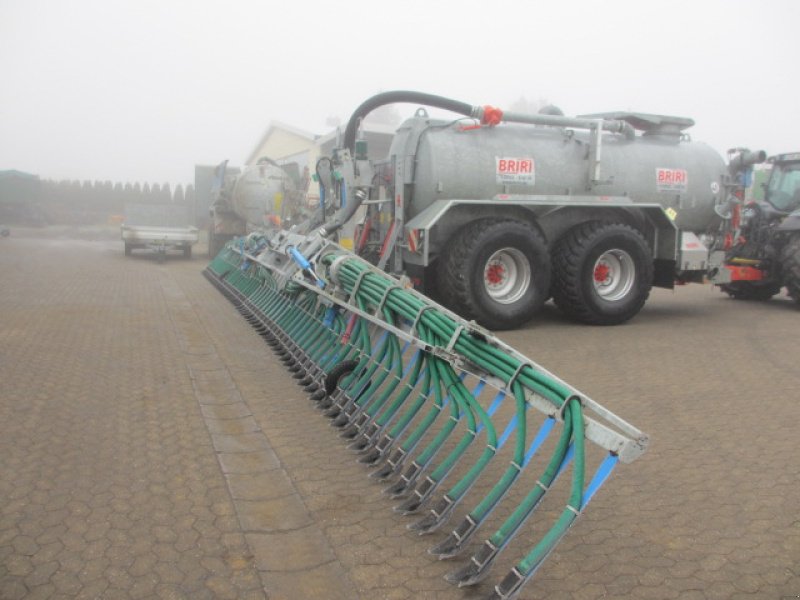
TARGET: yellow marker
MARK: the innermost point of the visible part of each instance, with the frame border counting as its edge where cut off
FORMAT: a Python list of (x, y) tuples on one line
[(277, 200), (346, 243), (671, 213)]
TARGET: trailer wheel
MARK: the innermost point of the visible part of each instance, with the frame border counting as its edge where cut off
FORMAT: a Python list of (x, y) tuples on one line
[(790, 265), (746, 290), (603, 273), (495, 271)]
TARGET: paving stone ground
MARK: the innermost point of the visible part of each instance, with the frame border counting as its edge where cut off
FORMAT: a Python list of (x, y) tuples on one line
[(151, 446)]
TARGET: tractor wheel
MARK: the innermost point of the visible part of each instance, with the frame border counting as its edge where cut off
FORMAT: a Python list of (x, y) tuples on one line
[(495, 271), (337, 373), (790, 265), (603, 273), (747, 290)]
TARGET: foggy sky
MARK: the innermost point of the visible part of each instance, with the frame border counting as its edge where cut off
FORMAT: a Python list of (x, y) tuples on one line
[(143, 90)]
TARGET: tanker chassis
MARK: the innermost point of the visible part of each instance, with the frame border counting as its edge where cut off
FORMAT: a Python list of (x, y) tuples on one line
[(493, 213)]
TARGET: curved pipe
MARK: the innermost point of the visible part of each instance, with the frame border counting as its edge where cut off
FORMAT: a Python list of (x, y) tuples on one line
[(367, 107), (401, 96), (746, 159)]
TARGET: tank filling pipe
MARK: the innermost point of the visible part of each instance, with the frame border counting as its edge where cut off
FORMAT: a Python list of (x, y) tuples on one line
[(612, 126)]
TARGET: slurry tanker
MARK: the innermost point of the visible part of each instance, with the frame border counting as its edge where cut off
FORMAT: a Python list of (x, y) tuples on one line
[(494, 212), (244, 200)]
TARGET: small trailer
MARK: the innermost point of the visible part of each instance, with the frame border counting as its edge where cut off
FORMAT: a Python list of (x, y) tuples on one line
[(159, 227)]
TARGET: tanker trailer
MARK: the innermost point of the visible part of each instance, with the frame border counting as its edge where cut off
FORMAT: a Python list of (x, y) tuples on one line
[(495, 212), (243, 200)]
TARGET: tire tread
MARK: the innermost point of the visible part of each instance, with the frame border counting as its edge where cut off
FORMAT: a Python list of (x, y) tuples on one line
[(568, 255)]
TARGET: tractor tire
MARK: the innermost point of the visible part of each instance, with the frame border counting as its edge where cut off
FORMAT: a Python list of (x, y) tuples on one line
[(603, 273), (495, 271), (746, 290), (337, 373), (790, 266)]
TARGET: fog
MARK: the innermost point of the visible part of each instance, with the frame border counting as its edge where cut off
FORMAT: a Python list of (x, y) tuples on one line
[(142, 91)]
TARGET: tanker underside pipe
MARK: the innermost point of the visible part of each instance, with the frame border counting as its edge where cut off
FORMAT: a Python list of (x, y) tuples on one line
[(428, 400)]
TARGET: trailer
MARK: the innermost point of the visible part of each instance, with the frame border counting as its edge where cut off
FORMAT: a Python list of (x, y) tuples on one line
[(160, 228)]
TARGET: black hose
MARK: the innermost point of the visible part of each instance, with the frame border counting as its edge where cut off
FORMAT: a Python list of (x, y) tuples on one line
[(400, 96), (366, 108)]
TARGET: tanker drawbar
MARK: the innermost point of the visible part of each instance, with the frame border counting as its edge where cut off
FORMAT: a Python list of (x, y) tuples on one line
[(451, 420)]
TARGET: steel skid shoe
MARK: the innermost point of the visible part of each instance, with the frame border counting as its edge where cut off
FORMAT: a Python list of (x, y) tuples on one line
[(477, 568), (374, 454), (455, 542), (394, 463), (418, 497), (510, 586), (437, 516), (403, 486)]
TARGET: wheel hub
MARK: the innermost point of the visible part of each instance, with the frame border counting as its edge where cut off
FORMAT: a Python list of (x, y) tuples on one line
[(614, 275), (507, 275), (601, 272), (495, 273)]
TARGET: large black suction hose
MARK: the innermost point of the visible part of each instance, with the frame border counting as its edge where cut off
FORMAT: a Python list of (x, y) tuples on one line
[(400, 96), (367, 107)]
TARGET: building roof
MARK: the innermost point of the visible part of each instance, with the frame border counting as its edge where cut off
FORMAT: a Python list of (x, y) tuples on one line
[(378, 129), (10, 173), (273, 125)]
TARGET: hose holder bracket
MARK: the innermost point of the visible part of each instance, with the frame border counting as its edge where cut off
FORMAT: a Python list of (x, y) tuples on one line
[(516, 374), (563, 407), (357, 285), (385, 297)]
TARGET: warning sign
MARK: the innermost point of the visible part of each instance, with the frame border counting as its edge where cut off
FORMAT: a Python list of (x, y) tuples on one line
[(515, 170), (672, 180)]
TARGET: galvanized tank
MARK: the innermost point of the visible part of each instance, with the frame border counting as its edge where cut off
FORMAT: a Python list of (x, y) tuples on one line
[(659, 165), (259, 192)]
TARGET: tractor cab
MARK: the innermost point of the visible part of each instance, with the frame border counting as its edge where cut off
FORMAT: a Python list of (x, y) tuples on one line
[(783, 187)]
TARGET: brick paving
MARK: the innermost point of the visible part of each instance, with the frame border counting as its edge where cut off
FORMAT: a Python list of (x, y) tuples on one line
[(151, 446)]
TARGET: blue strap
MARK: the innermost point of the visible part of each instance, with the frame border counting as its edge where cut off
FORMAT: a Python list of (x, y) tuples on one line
[(330, 315), (498, 400), (541, 436), (600, 477)]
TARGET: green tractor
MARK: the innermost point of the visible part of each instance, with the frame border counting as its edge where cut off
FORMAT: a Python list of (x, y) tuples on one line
[(764, 253)]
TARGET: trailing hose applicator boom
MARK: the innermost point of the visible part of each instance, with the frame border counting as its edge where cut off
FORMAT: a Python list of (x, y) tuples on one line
[(425, 397)]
